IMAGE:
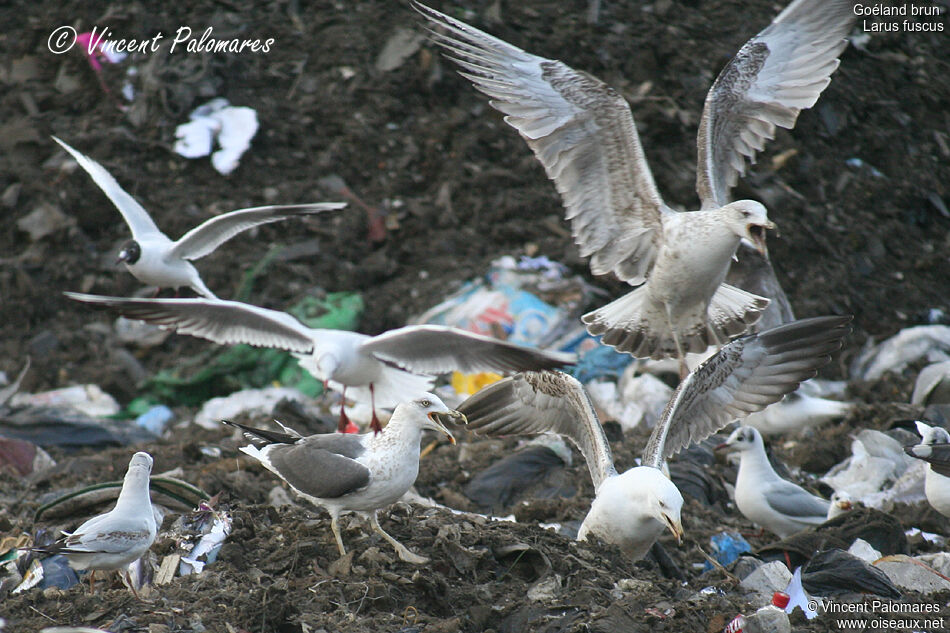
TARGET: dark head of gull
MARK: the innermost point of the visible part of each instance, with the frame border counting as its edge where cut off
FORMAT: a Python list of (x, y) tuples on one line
[(130, 253)]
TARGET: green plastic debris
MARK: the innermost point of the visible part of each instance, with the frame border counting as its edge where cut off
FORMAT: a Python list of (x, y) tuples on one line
[(220, 372)]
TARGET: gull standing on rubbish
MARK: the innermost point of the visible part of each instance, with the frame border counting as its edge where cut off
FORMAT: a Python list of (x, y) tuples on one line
[(153, 258), (583, 133), (935, 450), (119, 537), (765, 498), (632, 509), (355, 473), (383, 369)]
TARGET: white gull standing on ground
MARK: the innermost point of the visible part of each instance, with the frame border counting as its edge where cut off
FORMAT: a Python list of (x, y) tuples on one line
[(632, 509), (763, 497), (119, 537), (355, 473), (583, 133), (383, 369), (935, 450), (153, 258)]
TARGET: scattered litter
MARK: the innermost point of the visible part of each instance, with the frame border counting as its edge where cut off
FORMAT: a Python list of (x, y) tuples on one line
[(23, 458), (766, 580), (930, 537), (876, 461), (933, 385), (11, 389), (834, 572), (930, 342), (797, 597), (250, 402), (633, 401), (912, 574), (400, 46), (213, 527), (796, 412), (232, 127), (88, 399), (468, 384), (726, 548), (156, 419), (165, 490)]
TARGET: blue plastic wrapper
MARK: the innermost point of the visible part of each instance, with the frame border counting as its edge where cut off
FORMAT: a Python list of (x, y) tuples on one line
[(727, 547)]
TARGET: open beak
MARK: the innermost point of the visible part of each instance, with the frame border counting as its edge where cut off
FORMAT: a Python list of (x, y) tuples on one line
[(757, 236), (722, 447), (439, 419), (675, 527)]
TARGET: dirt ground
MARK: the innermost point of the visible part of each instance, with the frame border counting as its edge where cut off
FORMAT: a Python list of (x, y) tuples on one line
[(859, 190)]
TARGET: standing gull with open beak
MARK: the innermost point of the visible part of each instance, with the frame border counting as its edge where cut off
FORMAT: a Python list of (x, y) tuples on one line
[(355, 473), (633, 509)]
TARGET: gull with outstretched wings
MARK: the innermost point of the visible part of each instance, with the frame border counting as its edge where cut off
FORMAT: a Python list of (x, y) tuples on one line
[(632, 509), (583, 133)]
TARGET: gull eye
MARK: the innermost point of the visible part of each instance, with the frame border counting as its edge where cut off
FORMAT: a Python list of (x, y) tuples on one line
[(426, 403)]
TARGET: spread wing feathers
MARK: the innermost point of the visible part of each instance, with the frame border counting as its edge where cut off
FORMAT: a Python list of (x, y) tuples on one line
[(138, 219), (434, 349), (542, 402), (216, 320), (583, 133), (796, 502), (937, 455), (207, 236), (775, 75), (746, 375)]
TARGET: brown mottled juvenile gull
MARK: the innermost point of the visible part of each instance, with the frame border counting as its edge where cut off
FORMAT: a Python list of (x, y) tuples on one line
[(153, 258), (584, 134), (355, 473), (119, 537), (633, 508), (934, 449), (383, 369)]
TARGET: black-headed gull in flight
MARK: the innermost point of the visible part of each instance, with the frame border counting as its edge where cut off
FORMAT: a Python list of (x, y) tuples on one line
[(153, 258)]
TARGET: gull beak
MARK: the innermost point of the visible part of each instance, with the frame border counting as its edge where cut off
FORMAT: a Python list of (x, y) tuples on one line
[(725, 446), (844, 505), (123, 255), (756, 235), (675, 527), (439, 419)]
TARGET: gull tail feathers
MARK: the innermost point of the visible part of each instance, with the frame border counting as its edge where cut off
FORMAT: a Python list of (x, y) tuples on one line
[(732, 311), (637, 324)]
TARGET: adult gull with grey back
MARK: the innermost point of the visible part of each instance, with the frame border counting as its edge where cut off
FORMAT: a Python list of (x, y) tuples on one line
[(633, 509), (355, 473)]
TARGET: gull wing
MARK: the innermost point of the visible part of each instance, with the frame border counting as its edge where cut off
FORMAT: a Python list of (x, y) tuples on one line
[(216, 320), (542, 402), (138, 219), (436, 349), (794, 501), (583, 133), (775, 75), (746, 375), (209, 235), (108, 534), (322, 466), (937, 455)]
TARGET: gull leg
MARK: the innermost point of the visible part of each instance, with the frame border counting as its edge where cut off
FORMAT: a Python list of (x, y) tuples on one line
[(92, 578), (335, 526), (676, 340), (128, 579), (401, 549), (344, 420)]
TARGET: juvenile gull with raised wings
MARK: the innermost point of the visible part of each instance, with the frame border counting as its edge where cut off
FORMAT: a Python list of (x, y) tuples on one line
[(632, 509), (584, 135), (153, 258), (119, 537), (383, 369), (355, 473)]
